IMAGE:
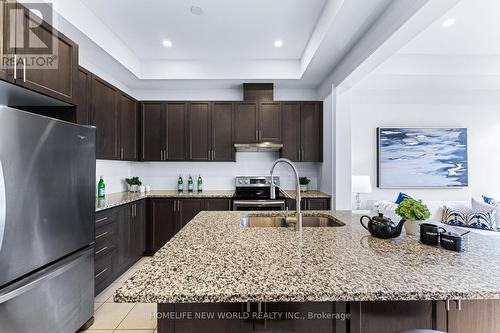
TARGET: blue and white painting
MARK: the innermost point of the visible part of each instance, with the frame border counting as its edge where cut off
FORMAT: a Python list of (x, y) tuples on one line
[(422, 157)]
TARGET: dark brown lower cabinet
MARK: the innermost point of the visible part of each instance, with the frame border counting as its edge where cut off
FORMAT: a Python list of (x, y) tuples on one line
[(138, 230), (168, 216), (161, 223), (383, 317), (478, 316), (187, 210), (217, 204), (199, 323), (120, 241), (310, 204)]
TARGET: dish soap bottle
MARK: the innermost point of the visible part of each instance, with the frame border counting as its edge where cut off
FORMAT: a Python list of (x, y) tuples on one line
[(180, 184), (101, 188), (190, 184), (200, 184)]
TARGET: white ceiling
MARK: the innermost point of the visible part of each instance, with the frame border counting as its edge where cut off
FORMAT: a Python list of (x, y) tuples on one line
[(232, 42), (476, 31), (228, 29), (462, 57)]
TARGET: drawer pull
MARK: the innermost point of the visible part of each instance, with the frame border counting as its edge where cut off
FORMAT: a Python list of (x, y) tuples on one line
[(101, 250), (101, 235), (101, 273), (101, 220)]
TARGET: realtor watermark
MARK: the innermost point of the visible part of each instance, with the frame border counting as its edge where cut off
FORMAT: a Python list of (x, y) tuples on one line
[(31, 41), (268, 315)]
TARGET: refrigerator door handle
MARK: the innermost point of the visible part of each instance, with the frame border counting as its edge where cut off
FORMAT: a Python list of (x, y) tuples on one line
[(40, 277), (3, 205)]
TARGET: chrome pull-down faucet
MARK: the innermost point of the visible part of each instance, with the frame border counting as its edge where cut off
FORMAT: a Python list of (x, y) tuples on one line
[(298, 225)]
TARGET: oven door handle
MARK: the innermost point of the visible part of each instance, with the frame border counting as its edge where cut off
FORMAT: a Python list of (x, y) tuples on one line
[(258, 203)]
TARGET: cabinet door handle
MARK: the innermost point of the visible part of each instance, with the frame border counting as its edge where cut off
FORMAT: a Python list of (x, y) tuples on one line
[(101, 273), (213, 155), (15, 66), (121, 153), (101, 250), (101, 235), (24, 69), (101, 220)]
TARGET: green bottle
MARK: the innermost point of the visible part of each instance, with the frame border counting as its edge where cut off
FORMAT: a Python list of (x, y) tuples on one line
[(200, 184), (101, 188), (180, 184), (190, 184)]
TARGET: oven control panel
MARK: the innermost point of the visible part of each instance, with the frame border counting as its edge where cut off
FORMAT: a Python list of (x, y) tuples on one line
[(245, 181)]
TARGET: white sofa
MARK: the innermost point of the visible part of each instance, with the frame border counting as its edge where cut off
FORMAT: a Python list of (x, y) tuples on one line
[(436, 209)]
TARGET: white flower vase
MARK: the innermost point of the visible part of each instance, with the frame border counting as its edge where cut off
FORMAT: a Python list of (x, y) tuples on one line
[(133, 188), (411, 227), (303, 188)]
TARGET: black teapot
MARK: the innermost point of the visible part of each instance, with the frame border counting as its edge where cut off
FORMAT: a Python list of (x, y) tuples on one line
[(382, 227)]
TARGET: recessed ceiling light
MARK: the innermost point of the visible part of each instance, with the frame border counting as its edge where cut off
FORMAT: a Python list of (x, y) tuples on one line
[(449, 22), (196, 10), (167, 43), (278, 43)]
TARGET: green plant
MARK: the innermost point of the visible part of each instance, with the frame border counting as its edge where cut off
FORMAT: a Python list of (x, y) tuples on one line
[(304, 180), (133, 181), (413, 210)]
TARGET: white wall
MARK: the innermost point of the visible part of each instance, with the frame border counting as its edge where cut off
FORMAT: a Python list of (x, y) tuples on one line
[(326, 183), (113, 173), (216, 175), (372, 109)]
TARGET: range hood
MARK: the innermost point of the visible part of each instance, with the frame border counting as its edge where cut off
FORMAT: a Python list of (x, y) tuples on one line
[(263, 146)]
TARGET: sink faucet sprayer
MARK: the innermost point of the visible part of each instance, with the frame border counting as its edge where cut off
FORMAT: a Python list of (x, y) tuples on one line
[(298, 225)]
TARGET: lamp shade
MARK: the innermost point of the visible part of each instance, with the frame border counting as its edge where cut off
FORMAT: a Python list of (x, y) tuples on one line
[(361, 184)]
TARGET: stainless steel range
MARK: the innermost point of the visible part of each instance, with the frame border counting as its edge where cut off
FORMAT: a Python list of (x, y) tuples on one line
[(254, 193)]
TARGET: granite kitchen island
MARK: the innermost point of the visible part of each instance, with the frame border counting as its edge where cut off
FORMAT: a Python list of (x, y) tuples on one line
[(335, 278)]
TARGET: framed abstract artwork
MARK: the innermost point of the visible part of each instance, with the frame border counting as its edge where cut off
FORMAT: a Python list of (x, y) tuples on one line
[(422, 157)]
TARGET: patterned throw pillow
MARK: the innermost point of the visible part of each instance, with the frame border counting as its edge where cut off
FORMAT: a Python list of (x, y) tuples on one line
[(478, 220)]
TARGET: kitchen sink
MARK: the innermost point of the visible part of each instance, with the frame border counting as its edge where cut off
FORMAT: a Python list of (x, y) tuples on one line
[(280, 221)]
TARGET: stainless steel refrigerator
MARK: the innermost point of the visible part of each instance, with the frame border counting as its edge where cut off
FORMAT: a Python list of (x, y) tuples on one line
[(47, 205)]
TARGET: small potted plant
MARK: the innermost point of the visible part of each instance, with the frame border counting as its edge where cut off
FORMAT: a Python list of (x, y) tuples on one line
[(413, 211), (304, 181), (133, 184)]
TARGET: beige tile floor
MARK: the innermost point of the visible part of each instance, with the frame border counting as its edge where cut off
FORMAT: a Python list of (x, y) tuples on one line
[(111, 317)]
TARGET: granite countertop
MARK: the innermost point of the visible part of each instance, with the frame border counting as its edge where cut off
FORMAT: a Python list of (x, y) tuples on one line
[(121, 198), (213, 259)]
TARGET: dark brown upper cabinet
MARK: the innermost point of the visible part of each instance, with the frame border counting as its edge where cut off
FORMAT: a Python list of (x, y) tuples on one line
[(257, 122), (105, 118), (269, 122), (164, 131), (291, 131), (60, 79), (311, 131), (199, 131), (246, 126), (5, 24), (128, 117), (114, 114), (302, 131), (152, 130), (83, 99), (222, 120), (176, 116)]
